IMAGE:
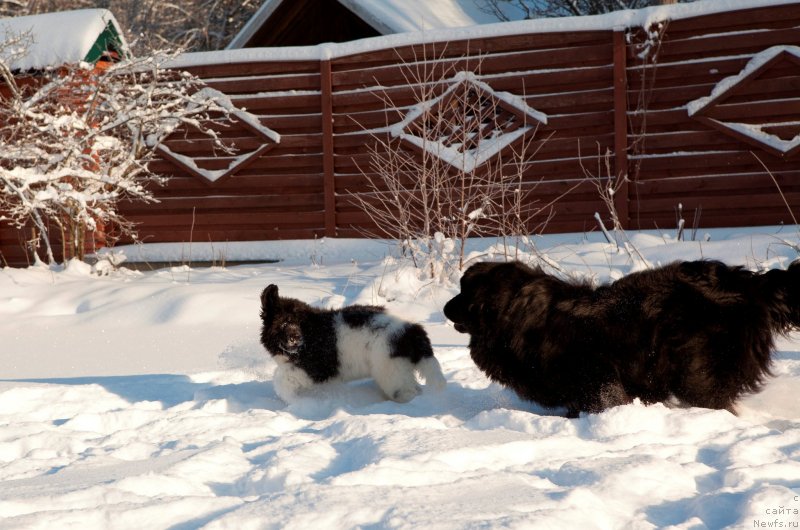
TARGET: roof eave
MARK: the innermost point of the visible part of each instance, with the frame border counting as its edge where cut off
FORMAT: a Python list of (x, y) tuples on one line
[(254, 24)]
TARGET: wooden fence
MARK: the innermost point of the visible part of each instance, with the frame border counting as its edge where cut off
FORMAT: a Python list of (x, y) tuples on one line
[(617, 100)]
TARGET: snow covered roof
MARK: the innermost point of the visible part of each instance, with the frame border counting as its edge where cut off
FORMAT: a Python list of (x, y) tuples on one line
[(63, 37), (392, 16), (398, 16)]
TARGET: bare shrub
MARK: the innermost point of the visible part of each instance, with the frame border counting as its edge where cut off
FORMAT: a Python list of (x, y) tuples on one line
[(435, 178), (608, 184)]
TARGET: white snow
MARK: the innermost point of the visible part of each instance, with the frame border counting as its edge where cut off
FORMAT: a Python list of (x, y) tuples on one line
[(757, 132), (144, 400), (57, 38)]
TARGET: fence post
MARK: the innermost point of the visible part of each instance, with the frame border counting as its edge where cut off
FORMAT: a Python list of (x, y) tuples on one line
[(329, 186), (622, 197)]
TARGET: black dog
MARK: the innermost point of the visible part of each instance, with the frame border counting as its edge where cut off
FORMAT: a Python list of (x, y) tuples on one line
[(313, 345), (699, 331)]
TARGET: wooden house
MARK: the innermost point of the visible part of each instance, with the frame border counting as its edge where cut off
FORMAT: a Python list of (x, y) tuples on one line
[(309, 22)]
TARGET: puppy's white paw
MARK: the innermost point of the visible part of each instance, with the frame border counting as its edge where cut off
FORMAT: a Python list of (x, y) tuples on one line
[(404, 395), (289, 381)]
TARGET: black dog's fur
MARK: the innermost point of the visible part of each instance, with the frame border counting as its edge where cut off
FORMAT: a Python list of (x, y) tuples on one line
[(699, 331)]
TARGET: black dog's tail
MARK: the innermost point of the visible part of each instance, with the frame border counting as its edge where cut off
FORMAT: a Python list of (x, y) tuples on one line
[(784, 288)]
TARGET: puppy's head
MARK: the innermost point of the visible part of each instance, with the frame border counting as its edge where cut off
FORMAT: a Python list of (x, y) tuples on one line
[(281, 332)]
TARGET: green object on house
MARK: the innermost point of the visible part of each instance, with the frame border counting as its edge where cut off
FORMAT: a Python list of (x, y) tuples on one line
[(108, 41)]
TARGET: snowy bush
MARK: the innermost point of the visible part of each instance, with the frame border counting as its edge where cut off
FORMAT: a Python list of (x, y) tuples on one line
[(78, 142)]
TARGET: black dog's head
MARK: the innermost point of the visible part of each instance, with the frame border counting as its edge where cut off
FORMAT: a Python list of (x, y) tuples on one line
[(486, 288), (281, 332), (462, 309)]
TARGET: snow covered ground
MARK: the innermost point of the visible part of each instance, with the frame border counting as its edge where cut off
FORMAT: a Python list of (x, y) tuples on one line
[(144, 400)]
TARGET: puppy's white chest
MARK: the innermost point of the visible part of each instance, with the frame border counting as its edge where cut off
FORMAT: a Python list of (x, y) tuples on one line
[(355, 354), (359, 348)]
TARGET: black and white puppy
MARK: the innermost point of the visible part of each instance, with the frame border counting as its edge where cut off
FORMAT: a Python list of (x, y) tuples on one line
[(313, 345)]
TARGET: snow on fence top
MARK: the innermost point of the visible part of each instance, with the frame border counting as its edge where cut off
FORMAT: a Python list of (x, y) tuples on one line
[(60, 38), (610, 21)]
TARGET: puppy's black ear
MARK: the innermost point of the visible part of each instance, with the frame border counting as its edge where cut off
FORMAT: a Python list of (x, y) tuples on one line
[(269, 302)]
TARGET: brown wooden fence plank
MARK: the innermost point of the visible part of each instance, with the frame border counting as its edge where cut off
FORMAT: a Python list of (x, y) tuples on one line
[(432, 51), (688, 72), (534, 76), (484, 62), (283, 201), (405, 97), (261, 68), (244, 85), (170, 234), (734, 21), (699, 160), (201, 218), (727, 44), (755, 111), (242, 184), (279, 102), (289, 145), (716, 204)]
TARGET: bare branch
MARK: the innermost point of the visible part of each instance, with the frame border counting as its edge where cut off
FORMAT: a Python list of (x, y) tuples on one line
[(435, 196)]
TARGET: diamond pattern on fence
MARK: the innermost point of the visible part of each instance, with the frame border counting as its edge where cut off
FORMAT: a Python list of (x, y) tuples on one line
[(469, 123), (760, 105), (180, 147)]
